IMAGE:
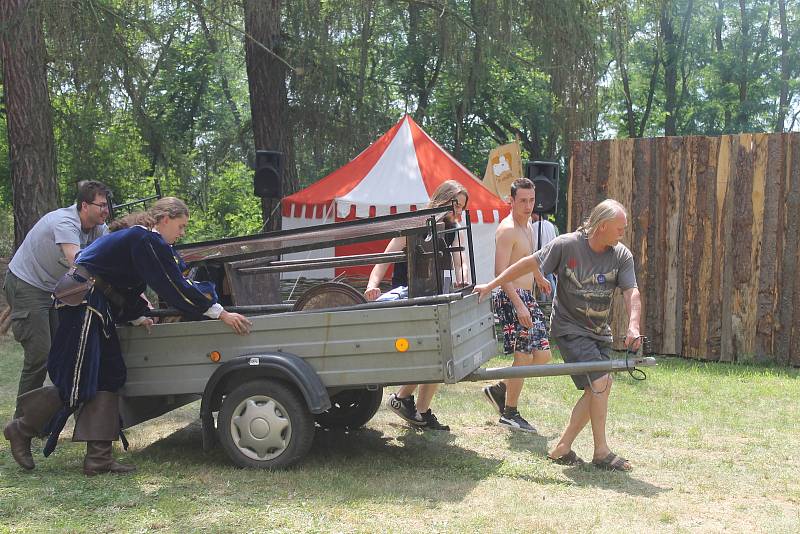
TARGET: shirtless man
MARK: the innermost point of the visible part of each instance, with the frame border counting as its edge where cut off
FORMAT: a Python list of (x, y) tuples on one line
[(524, 330)]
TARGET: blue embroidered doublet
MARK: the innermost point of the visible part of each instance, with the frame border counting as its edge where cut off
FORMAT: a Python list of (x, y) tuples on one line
[(85, 355)]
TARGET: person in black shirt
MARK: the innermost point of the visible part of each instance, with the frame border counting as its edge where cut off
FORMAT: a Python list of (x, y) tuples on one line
[(402, 403)]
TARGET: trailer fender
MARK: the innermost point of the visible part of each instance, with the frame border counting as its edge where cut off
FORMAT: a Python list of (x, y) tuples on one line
[(282, 365)]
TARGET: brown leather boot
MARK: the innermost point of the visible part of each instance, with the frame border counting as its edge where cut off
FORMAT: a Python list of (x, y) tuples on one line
[(99, 460), (20, 437), (98, 425), (40, 405)]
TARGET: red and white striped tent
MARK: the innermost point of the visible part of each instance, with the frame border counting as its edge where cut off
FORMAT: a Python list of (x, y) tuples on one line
[(397, 173)]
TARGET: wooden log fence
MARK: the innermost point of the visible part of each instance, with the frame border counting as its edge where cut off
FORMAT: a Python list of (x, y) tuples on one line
[(714, 226)]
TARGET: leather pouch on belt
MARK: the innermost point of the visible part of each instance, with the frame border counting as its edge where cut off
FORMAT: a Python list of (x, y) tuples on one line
[(72, 288)]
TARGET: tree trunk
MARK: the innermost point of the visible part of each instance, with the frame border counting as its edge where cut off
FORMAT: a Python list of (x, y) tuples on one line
[(620, 45), (473, 73), (366, 36), (744, 73), (670, 60), (674, 59), (29, 120), (725, 74), (651, 91), (213, 46), (269, 106), (687, 19), (783, 102), (422, 48), (417, 57)]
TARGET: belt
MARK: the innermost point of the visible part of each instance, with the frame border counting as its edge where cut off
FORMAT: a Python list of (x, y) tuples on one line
[(113, 296), (84, 273)]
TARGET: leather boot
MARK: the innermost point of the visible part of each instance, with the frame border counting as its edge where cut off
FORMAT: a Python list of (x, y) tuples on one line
[(98, 425), (38, 407), (99, 460)]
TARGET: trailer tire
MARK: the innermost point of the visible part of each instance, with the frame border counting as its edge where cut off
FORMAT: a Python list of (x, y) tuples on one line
[(351, 409), (265, 424)]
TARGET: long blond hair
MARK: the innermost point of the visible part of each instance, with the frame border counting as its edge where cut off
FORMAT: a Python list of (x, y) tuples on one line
[(446, 193), (140, 218), (605, 211), (171, 207)]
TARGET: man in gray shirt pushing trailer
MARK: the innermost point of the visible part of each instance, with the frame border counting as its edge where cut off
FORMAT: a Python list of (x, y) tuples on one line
[(590, 264), (44, 256)]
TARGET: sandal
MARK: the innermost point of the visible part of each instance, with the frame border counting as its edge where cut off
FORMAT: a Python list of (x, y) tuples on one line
[(568, 459), (612, 462)]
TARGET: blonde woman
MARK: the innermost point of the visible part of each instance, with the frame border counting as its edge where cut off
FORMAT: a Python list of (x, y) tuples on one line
[(402, 403)]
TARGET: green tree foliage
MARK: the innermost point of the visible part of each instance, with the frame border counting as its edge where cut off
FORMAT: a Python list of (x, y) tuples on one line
[(157, 89), (729, 62)]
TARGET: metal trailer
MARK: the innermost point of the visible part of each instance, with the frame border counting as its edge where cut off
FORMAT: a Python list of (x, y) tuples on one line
[(262, 395)]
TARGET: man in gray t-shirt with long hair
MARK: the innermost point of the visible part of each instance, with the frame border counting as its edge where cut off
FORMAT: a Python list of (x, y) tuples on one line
[(590, 264), (45, 254)]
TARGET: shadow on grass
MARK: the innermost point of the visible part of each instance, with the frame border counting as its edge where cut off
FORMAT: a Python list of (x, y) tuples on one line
[(528, 442), (184, 446), (356, 464), (587, 475), (330, 447), (414, 464)]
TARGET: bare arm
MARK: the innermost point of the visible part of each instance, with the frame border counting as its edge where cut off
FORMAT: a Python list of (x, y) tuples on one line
[(70, 251), (633, 304), (461, 268), (373, 290), (528, 264), (504, 245), (525, 265)]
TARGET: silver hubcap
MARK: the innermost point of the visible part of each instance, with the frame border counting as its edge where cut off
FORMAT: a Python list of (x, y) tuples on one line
[(260, 428)]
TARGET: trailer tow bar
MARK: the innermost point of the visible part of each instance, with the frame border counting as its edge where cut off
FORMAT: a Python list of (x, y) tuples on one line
[(560, 369)]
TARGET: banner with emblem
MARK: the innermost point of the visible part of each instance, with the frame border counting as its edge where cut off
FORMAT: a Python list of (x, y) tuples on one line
[(504, 166)]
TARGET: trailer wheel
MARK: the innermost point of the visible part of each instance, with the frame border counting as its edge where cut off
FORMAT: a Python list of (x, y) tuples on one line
[(265, 424), (351, 409)]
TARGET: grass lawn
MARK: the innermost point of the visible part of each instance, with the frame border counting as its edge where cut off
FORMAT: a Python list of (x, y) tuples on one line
[(715, 448)]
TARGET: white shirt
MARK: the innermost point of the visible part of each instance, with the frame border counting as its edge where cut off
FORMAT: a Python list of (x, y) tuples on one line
[(549, 232)]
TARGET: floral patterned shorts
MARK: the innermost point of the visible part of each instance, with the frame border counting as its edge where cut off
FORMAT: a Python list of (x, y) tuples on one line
[(517, 338)]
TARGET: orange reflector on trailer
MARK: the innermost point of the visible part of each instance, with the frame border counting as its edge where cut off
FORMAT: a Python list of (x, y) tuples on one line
[(214, 356), (401, 344)]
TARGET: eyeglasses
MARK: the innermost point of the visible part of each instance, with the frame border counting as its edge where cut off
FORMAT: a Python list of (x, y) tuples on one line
[(102, 205)]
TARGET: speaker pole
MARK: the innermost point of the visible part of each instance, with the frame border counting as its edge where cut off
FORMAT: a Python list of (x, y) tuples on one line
[(539, 234)]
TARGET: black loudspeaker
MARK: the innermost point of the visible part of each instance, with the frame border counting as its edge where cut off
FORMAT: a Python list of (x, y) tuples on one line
[(544, 175), (268, 179)]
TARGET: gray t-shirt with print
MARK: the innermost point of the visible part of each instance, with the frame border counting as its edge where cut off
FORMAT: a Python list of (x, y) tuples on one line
[(586, 284), (39, 261)]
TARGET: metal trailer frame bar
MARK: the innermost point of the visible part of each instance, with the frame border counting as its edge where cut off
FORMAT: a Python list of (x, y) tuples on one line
[(287, 308), (436, 251), (471, 251), (560, 369), (285, 266), (202, 251), (252, 309)]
